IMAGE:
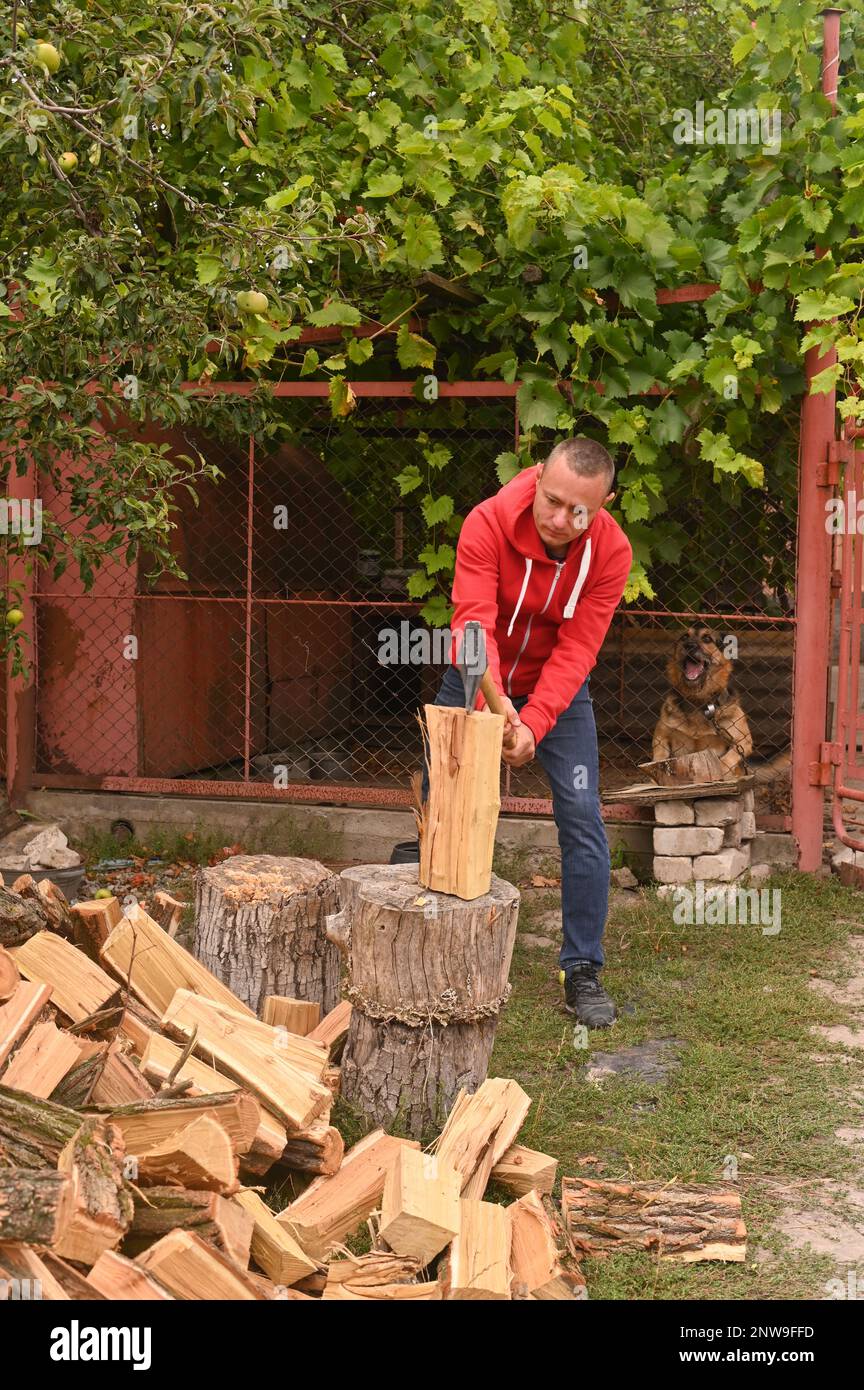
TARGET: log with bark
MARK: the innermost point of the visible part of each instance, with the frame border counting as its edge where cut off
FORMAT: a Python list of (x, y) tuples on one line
[(259, 926), (36, 1206), (216, 1219), (427, 978), (21, 917), (677, 1221)]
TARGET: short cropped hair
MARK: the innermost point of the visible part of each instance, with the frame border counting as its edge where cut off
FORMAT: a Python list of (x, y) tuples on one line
[(586, 457)]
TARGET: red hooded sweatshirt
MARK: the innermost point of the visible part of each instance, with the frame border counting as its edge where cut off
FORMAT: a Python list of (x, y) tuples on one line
[(545, 620)]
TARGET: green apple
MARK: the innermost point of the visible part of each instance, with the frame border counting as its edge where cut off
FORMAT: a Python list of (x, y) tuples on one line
[(253, 302), (68, 161), (48, 56), (14, 617), (103, 893)]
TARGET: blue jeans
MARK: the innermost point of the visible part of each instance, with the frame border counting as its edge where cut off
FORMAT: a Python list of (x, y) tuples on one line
[(568, 755)]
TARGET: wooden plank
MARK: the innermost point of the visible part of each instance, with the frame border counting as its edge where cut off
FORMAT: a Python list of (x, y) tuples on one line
[(145, 1123), (522, 1170), (79, 986), (478, 1265), (273, 1247), (480, 1129), (21, 1262), (19, 1013), (10, 976), (94, 920), (191, 1269), (115, 1277), (159, 965), (42, 1060), (199, 1155), (158, 1061), (420, 1205), (297, 1015), (534, 1256), (333, 1027), (188, 1009), (251, 1058), (332, 1208)]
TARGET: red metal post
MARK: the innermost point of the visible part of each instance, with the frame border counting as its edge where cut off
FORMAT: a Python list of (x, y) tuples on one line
[(21, 690), (812, 657), (250, 553)]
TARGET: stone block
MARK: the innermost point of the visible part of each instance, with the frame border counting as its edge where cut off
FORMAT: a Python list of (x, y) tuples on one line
[(687, 839), (671, 869), (729, 864), (732, 835), (748, 825), (674, 813), (717, 810), (748, 800)]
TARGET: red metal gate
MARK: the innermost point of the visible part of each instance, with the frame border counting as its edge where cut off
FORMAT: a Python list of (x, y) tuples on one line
[(845, 755)]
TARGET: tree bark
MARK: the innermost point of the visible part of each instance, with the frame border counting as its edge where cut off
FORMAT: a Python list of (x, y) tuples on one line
[(427, 977), (21, 918), (259, 927), (33, 1133), (35, 1207)]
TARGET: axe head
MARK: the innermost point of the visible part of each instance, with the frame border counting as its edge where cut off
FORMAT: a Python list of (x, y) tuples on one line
[(471, 661)]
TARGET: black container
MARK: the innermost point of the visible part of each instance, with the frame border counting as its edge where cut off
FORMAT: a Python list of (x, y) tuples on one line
[(406, 852)]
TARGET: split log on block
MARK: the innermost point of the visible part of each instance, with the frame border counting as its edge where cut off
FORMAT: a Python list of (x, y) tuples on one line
[(538, 1253), (259, 926), (522, 1170), (33, 1133), (159, 1061), (116, 1278), (199, 1155), (25, 1275), (79, 987), (103, 1207), (19, 1013), (477, 1265), (35, 1206), (333, 1028), (148, 1122), (273, 1247), (155, 966), (216, 1219), (332, 1208), (460, 815), (21, 917), (167, 911), (296, 1015), (10, 977), (191, 1269), (420, 1205), (120, 1081), (43, 1059), (427, 978), (93, 922), (480, 1130), (318, 1149), (71, 1280), (256, 1056), (686, 1221)]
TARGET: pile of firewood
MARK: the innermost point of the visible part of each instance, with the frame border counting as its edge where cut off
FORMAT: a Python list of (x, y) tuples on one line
[(145, 1110)]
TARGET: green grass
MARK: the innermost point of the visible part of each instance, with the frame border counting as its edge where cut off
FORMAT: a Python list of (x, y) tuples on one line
[(749, 1082), (197, 846)]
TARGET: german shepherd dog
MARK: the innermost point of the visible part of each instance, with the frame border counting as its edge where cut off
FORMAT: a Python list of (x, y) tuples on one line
[(702, 710)]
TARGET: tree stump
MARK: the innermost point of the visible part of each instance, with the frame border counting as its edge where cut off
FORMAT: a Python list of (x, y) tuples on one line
[(260, 928), (427, 978)]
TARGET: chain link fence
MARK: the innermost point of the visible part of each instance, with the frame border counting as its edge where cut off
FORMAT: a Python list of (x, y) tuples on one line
[(290, 660)]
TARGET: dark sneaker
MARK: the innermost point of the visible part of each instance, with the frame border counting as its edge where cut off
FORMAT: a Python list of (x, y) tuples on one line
[(585, 997)]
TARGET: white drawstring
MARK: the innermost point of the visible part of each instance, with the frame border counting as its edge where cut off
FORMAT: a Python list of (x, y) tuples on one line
[(580, 579), (528, 564)]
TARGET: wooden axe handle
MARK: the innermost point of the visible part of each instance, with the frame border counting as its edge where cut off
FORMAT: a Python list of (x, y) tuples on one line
[(495, 703)]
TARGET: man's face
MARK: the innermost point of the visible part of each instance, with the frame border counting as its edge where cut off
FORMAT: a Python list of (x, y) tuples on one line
[(565, 503)]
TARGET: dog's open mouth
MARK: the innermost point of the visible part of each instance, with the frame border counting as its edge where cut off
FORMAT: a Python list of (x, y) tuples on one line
[(693, 668)]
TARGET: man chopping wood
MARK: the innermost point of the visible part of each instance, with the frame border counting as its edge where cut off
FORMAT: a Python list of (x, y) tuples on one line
[(542, 566)]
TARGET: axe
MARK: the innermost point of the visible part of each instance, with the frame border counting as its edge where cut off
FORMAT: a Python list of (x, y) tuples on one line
[(471, 665)]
